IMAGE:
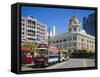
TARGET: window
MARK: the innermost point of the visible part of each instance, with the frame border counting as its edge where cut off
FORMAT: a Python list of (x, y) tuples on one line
[(57, 41), (22, 36), (54, 42), (23, 24), (28, 34), (74, 29), (70, 38), (82, 40), (28, 26), (92, 46), (34, 27), (57, 45), (87, 41), (74, 37), (79, 29), (28, 22), (23, 28), (23, 33), (31, 31), (28, 30), (23, 19), (64, 40), (75, 44), (69, 44), (60, 45), (31, 26), (64, 45), (33, 23), (60, 40), (90, 41)]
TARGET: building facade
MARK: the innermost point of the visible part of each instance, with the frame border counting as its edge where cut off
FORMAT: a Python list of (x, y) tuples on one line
[(32, 30), (89, 24), (75, 38)]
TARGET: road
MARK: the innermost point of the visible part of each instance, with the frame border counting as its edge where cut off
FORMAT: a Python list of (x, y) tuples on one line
[(71, 63)]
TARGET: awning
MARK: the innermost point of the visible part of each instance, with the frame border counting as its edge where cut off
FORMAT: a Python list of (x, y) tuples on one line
[(40, 48), (25, 49)]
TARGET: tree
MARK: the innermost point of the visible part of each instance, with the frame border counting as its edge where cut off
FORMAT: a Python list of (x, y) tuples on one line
[(32, 46)]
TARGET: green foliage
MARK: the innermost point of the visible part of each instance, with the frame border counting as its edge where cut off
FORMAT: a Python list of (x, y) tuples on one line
[(30, 45), (82, 54)]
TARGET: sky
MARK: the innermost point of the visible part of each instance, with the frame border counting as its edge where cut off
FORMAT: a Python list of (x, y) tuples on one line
[(55, 16)]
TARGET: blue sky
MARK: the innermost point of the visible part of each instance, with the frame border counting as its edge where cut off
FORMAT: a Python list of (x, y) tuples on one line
[(55, 16)]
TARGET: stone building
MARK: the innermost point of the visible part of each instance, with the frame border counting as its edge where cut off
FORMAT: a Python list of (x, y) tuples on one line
[(75, 39)]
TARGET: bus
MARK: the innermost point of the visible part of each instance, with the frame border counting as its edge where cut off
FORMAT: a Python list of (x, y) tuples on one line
[(53, 54), (46, 55), (26, 55)]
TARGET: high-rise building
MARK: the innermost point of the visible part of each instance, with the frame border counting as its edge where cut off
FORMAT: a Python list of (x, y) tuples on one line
[(32, 30), (54, 31), (51, 34), (89, 24)]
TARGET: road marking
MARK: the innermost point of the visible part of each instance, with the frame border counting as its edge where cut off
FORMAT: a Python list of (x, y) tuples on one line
[(83, 63), (56, 65), (25, 68)]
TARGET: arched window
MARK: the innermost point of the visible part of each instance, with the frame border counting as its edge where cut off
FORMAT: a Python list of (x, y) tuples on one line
[(82, 40), (57, 41), (60, 40), (54, 42), (74, 37), (70, 38), (64, 40)]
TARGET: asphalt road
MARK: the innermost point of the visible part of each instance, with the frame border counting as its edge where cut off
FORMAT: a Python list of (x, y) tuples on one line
[(71, 63)]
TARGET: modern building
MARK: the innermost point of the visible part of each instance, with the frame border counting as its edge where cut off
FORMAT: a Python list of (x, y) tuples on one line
[(54, 30), (89, 24), (32, 30), (75, 39), (51, 32)]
